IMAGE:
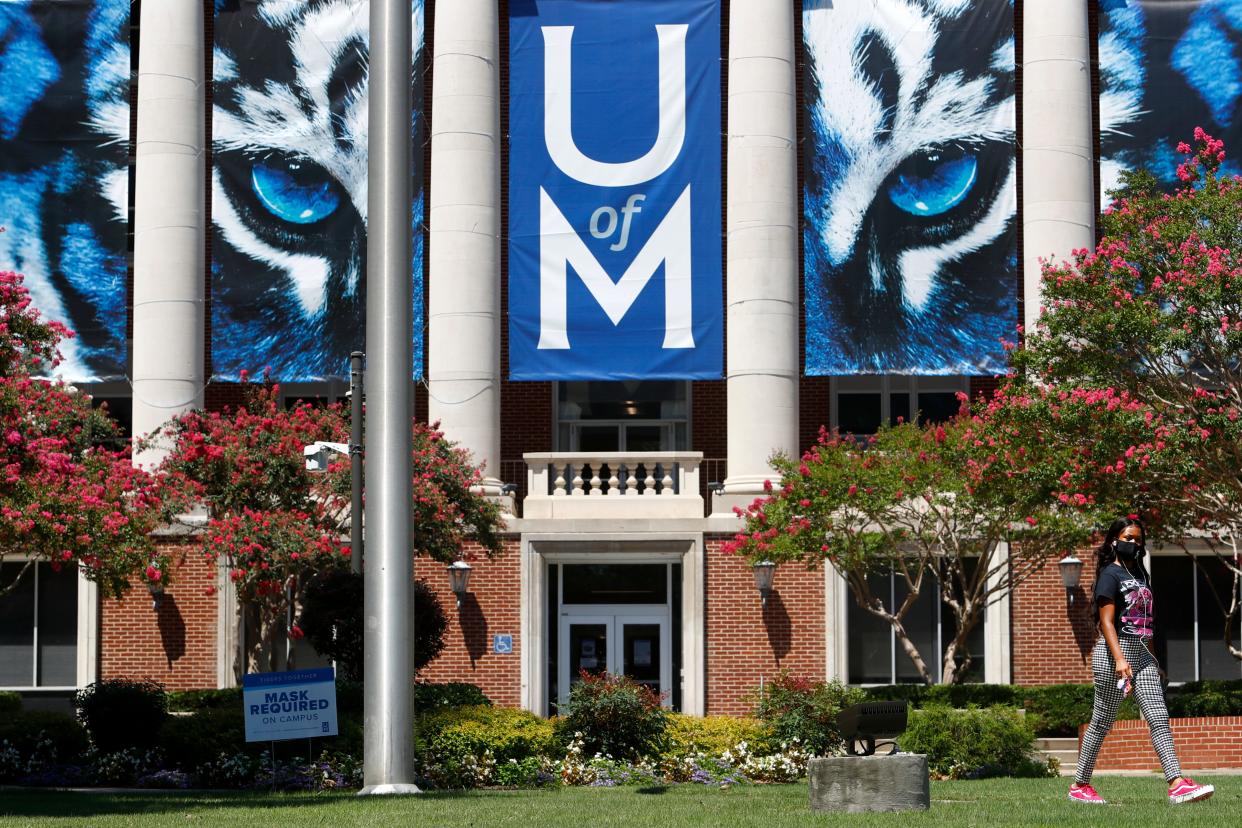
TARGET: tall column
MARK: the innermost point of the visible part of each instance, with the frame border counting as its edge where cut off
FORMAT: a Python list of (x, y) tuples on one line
[(388, 640), (463, 366), (169, 219), (762, 246), (1058, 189)]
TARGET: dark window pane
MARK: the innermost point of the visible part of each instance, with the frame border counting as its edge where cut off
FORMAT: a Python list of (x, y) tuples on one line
[(975, 641), (599, 438), (1215, 662), (641, 654), (920, 624), (1173, 585), (616, 584), (938, 407), (650, 400), (675, 617), (858, 413), (644, 438), (899, 408), (17, 628), (58, 626), (588, 650), (870, 638)]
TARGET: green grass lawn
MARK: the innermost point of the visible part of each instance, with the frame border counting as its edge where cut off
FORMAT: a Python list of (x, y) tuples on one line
[(1134, 801)]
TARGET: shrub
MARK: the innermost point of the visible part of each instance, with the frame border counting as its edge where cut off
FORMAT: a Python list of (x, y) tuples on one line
[(457, 737), (430, 697), (332, 621), (1206, 698), (10, 702), (954, 695), (190, 700), (714, 735), (191, 741), (23, 731), (615, 715), (805, 710), (1058, 709), (973, 743), (120, 714)]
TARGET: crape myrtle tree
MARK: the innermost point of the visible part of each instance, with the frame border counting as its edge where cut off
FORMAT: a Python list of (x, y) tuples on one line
[(69, 494), (1155, 313), (967, 509), (274, 525)]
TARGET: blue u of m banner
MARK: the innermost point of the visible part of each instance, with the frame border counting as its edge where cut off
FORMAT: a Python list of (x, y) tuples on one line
[(614, 190)]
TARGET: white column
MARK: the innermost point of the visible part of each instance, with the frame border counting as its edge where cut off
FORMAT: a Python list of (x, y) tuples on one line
[(463, 365), (762, 247), (1058, 197), (168, 218)]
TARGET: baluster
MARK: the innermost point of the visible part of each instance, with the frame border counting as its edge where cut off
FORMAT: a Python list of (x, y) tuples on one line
[(631, 482), (614, 482), (577, 483), (595, 481), (666, 483), (649, 482), (558, 485)]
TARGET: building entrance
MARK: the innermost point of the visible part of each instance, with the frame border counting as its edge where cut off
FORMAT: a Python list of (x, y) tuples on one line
[(616, 618)]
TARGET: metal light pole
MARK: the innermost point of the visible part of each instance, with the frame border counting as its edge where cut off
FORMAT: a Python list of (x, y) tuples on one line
[(388, 748), (355, 461)]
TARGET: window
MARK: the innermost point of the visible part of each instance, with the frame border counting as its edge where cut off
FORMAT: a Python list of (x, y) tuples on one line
[(39, 627), (1189, 622), (875, 654), (632, 416), (860, 403)]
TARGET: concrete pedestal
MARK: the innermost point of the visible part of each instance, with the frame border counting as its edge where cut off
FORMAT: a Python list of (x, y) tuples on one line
[(870, 783)]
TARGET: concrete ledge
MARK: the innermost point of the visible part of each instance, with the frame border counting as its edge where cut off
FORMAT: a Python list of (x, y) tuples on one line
[(857, 784)]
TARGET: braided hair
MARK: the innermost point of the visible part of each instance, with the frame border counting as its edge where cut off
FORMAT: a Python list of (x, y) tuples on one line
[(1105, 554)]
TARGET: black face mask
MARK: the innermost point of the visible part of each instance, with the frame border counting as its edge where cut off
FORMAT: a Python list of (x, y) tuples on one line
[(1128, 550)]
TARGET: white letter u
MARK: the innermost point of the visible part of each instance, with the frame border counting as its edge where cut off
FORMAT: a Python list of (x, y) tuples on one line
[(558, 110)]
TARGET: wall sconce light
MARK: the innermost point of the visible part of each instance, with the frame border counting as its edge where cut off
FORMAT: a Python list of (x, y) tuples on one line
[(763, 580), (1071, 572), (459, 578), (157, 594)]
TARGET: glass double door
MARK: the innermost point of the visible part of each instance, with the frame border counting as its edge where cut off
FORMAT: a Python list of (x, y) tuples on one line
[(623, 640)]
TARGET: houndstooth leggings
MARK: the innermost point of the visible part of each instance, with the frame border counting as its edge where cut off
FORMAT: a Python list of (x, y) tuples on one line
[(1147, 692)]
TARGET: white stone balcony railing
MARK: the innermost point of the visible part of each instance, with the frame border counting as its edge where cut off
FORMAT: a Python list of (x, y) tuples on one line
[(659, 484)]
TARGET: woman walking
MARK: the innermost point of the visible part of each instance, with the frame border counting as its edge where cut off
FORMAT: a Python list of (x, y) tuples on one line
[(1122, 661)]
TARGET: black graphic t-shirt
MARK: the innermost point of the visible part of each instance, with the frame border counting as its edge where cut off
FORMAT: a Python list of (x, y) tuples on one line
[(1130, 595)]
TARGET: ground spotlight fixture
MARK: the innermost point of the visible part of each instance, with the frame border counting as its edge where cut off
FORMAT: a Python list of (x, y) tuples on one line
[(508, 489), (715, 487), (866, 722), (763, 580), (459, 578), (1071, 572)]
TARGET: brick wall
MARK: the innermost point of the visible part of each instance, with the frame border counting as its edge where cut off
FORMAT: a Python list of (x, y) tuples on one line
[(174, 644), (1052, 639), (746, 644), (493, 605), (1209, 742)]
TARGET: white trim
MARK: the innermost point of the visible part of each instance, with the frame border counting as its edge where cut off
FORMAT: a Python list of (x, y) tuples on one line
[(997, 632), (228, 622), (88, 630), (836, 615)]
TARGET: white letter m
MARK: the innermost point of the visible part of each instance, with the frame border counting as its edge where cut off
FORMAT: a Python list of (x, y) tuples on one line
[(561, 247)]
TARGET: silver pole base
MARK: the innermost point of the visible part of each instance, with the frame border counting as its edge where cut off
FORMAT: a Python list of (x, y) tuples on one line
[(391, 789)]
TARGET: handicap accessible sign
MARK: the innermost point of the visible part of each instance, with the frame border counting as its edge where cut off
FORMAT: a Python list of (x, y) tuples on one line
[(298, 704)]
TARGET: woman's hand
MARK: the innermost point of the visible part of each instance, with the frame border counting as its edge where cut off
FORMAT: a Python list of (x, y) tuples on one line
[(1123, 670)]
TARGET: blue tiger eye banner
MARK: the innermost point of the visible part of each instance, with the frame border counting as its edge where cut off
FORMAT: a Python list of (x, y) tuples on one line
[(64, 170), (908, 125), (614, 190), (1166, 68), (289, 186)]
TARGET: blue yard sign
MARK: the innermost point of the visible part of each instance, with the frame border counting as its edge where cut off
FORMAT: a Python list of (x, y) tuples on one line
[(614, 190), (299, 704)]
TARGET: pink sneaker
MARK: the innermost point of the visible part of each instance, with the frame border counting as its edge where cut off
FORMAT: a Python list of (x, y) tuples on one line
[(1087, 794), (1189, 791)]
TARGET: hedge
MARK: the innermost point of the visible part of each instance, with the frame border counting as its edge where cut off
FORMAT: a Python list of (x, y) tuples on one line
[(973, 743)]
